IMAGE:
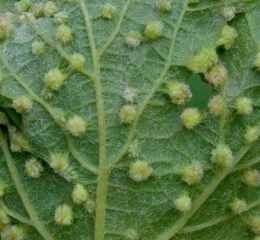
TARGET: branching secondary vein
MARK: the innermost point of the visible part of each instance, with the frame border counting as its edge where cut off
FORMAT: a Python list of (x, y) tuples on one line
[(21, 190)]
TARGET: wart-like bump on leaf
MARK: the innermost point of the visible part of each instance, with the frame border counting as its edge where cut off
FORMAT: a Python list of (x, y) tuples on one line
[(244, 105), (140, 170), (251, 178), (183, 203), (49, 9), (54, 79), (63, 215), (23, 5), (238, 206), (5, 27), (23, 104), (222, 155), (76, 126), (163, 5), (192, 174), (203, 61), (34, 168), (133, 39), (191, 117), (79, 194), (153, 30), (38, 48), (108, 11), (127, 114), (179, 92), (64, 34), (216, 105), (77, 61)]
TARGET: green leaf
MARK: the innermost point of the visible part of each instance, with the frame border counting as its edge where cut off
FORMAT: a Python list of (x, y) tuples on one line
[(140, 119)]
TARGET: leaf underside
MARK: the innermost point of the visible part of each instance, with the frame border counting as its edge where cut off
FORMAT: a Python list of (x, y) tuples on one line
[(100, 158)]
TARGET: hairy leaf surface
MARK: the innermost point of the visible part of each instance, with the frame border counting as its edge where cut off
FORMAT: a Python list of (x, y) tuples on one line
[(82, 121)]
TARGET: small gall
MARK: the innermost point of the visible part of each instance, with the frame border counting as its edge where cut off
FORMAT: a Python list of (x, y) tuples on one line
[(127, 114), (140, 170), (49, 9), (60, 165), (4, 217), (90, 205), (256, 63), (37, 10), (252, 134), (227, 36), (26, 18), (13, 232), (18, 142), (131, 234), (5, 27), (163, 5), (216, 76), (79, 194), (252, 178), (153, 30), (216, 105), (54, 79), (77, 61), (253, 223), (59, 162), (183, 203), (133, 39), (23, 5), (76, 126), (244, 106), (38, 48), (222, 156), (130, 94), (64, 34), (203, 61), (134, 149), (238, 206), (192, 174), (191, 117), (34, 168), (3, 119), (63, 215), (228, 13), (179, 92), (108, 11), (22, 104)]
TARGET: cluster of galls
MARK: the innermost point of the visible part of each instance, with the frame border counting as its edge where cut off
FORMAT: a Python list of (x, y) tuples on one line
[(64, 214), (139, 170)]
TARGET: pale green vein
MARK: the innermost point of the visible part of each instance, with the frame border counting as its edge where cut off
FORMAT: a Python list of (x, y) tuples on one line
[(222, 119), (103, 171), (21, 190), (158, 82), (248, 164), (158, 137), (112, 37), (217, 179), (52, 113), (216, 220), (15, 215)]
